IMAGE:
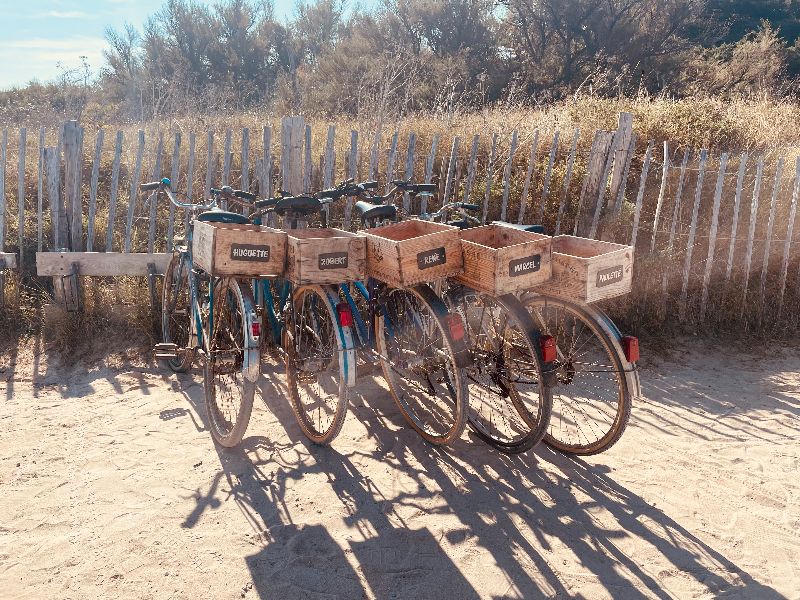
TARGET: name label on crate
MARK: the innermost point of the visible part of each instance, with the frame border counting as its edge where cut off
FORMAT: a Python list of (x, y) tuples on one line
[(431, 258), (250, 252), (609, 276), (522, 266), (333, 260)]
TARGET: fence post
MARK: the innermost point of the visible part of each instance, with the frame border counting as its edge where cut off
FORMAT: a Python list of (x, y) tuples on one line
[(752, 232), (648, 156), (567, 179), (409, 172), (623, 140), (523, 202), (98, 155), (507, 175), (547, 177), (489, 173), (3, 207), (137, 173), (473, 161), (712, 236), (353, 174), (687, 263), (451, 166), (40, 193), (72, 162), (429, 171), (735, 224), (21, 208), (788, 243), (661, 192)]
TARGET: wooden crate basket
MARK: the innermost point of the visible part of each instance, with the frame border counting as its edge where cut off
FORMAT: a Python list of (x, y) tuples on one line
[(589, 270), (502, 260), (317, 256), (414, 251), (223, 249)]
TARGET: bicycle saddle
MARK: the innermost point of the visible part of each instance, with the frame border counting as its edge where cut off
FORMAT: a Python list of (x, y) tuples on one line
[(216, 215), (367, 210), (298, 205), (531, 228)]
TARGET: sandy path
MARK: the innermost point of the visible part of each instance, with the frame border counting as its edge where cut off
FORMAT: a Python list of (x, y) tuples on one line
[(112, 488)]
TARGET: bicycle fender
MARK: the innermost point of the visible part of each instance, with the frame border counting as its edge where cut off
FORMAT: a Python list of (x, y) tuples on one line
[(252, 352)]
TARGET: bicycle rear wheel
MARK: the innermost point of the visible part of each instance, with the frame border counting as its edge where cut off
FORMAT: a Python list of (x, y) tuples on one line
[(176, 313), (509, 402), (592, 398), (418, 359), (319, 361), (229, 386)]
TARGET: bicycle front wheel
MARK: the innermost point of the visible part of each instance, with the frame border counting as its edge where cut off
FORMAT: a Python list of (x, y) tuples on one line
[(318, 362), (509, 401), (592, 399), (419, 363), (229, 385)]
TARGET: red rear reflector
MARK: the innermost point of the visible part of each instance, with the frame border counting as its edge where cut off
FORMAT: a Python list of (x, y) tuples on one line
[(630, 346), (455, 326), (548, 345), (345, 314), (255, 328)]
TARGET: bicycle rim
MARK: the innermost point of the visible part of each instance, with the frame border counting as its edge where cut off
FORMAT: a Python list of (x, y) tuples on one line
[(418, 362), (509, 401), (315, 364), (229, 394), (591, 399)]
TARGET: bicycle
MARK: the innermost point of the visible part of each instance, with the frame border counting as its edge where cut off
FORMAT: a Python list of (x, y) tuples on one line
[(213, 318), (595, 367), (509, 398)]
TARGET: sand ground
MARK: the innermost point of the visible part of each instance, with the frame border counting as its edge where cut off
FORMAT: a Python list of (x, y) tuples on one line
[(112, 488)]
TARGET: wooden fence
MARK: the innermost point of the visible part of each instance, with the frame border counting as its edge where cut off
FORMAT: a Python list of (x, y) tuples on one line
[(714, 231)]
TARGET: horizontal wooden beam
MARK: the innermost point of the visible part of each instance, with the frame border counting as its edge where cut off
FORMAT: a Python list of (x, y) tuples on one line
[(8, 260), (100, 264)]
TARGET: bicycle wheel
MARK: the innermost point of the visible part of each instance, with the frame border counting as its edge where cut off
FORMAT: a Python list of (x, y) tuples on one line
[(592, 398), (176, 313), (509, 402), (230, 381), (318, 362), (418, 359)]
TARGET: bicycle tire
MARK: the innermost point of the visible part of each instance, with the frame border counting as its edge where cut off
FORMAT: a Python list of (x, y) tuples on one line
[(398, 309), (312, 336), (509, 405), (176, 313), (229, 358), (568, 406)]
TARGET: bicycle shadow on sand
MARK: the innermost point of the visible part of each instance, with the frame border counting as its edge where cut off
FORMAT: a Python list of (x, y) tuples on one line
[(515, 511)]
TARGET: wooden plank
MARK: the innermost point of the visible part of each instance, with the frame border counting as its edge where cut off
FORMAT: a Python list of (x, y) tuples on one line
[(619, 199), (567, 179), (451, 167), (661, 193), (71, 165), (687, 263), (153, 200), (523, 202), (748, 259), (40, 193), (787, 244), (227, 157), (100, 264), (98, 155), (21, 150), (391, 161), (308, 161), (373, 155), (409, 172), (735, 221), (675, 215), (601, 188), (113, 194), (352, 174), (648, 156), (624, 140), (507, 175), (473, 162), (189, 179), (712, 235), (591, 161), (327, 171), (245, 179), (3, 211), (489, 174), (209, 164), (429, 171), (770, 226), (53, 176), (547, 177), (137, 173), (174, 181)]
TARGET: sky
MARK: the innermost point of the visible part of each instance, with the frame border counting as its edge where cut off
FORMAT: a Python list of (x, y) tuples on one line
[(40, 34)]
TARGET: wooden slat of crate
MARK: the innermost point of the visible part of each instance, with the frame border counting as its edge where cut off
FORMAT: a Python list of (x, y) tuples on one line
[(412, 252), (318, 256), (239, 250), (589, 270), (502, 260)]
